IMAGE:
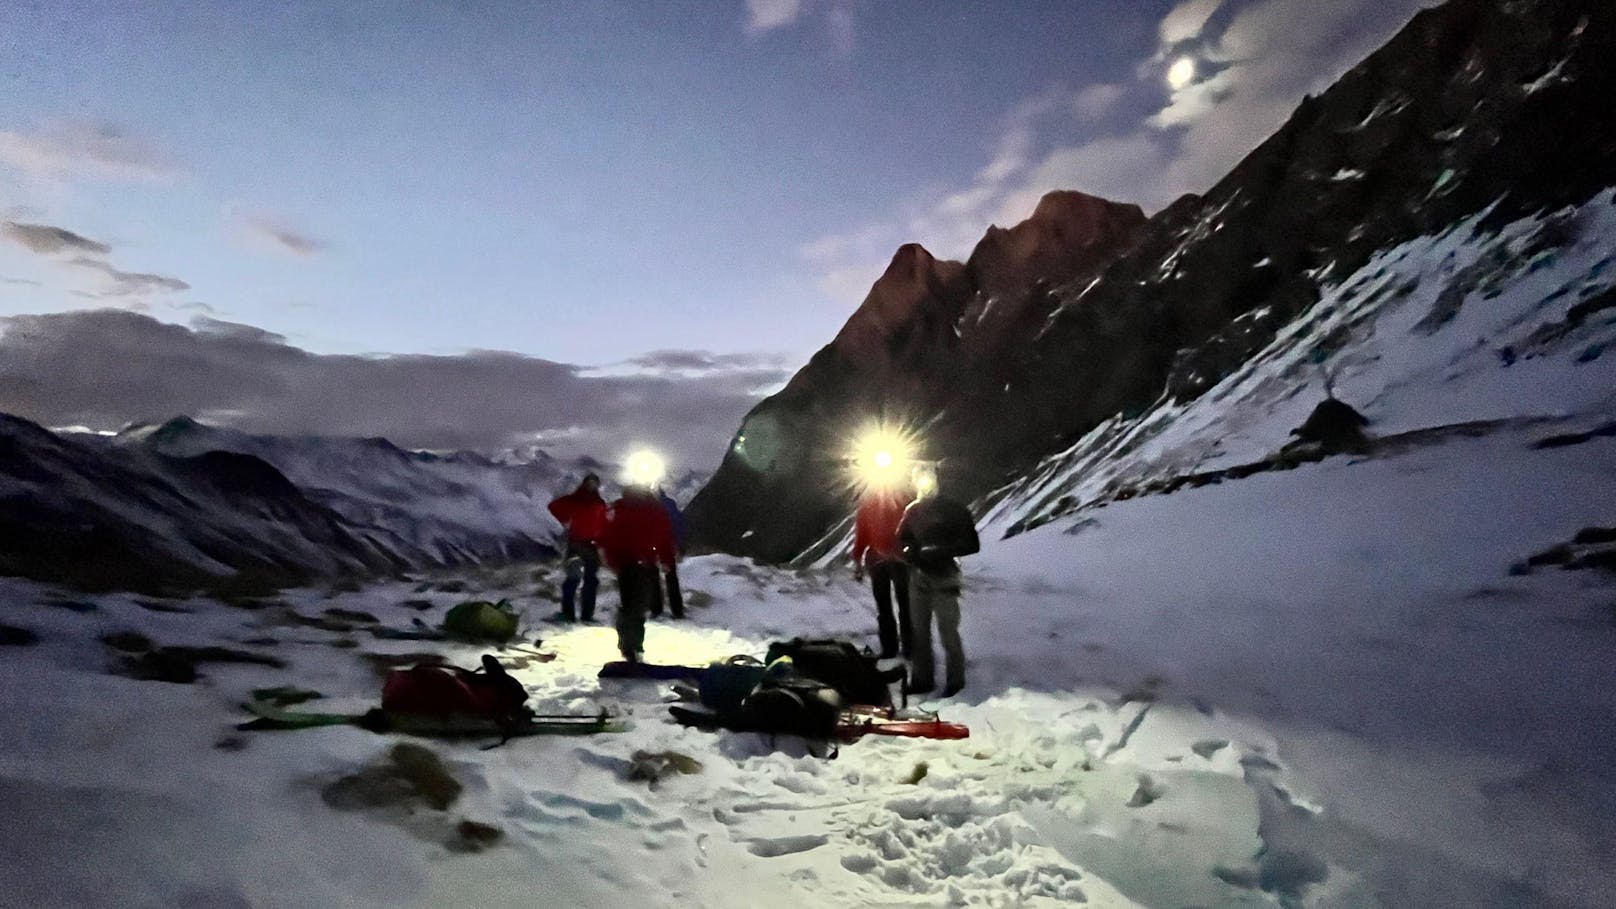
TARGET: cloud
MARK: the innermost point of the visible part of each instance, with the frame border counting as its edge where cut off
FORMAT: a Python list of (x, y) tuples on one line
[(25, 282), (126, 283), (47, 239), (77, 149), (1185, 21), (268, 234), (1096, 101), (765, 15), (106, 368), (703, 361)]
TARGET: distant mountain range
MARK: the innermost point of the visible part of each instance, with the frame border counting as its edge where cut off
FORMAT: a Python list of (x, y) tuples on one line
[(182, 505)]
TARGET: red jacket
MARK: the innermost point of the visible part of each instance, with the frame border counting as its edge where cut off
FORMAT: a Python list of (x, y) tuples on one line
[(639, 533), (876, 530), (583, 513)]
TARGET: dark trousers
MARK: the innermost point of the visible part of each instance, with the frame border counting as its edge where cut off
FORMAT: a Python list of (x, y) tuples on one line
[(638, 586), (675, 596), (888, 579), (582, 565)]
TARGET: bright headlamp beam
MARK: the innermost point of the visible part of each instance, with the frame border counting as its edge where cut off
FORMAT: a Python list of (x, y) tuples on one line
[(881, 457), (643, 468)]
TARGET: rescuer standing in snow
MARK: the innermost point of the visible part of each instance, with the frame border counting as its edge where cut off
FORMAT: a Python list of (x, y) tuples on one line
[(934, 533)]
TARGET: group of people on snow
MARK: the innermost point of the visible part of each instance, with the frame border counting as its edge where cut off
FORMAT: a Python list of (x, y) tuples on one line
[(639, 537), (907, 538)]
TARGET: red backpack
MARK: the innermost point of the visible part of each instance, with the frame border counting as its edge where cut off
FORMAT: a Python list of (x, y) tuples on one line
[(444, 692)]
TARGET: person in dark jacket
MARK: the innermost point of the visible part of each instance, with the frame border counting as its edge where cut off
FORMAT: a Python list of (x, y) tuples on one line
[(638, 538), (875, 548), (934, 533), (583, 513), (670, 575)]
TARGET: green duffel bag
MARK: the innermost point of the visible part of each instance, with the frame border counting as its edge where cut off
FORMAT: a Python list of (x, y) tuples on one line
[(480, 620)]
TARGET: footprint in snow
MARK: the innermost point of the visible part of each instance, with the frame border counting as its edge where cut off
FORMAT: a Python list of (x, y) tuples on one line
[(774, 847)]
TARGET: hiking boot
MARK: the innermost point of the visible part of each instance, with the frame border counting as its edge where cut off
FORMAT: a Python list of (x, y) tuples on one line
[(565, 618), (914, 688), (952, 690)]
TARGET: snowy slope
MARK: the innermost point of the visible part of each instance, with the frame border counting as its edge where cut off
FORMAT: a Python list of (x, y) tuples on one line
[(1319, 687)]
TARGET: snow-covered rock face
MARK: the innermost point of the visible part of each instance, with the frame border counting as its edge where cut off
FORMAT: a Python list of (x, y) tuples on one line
[(1476, 106), (1511, 324)]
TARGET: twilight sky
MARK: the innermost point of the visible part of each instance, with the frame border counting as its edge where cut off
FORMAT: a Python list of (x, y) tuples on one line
[(653, 211)]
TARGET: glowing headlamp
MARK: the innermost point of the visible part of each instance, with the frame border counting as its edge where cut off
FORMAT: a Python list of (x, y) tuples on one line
[(643, 468), (881, 457)]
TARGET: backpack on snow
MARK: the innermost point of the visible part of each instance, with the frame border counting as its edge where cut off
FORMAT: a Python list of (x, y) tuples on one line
[(791, 705), (851, 671), (449, 692), (480, 620), (724, 685)]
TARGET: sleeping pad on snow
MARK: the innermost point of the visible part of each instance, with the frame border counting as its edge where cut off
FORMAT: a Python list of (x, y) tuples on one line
[(270, 717), (431, 699)]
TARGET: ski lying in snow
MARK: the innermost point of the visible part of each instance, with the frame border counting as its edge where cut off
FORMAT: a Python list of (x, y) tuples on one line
[(853, 724), (268, 717), (622, 669)]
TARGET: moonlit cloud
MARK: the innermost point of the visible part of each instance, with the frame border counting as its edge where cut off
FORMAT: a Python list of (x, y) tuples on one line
[(1096, 101), (1270, 55), (85, 149), (1186, 20)]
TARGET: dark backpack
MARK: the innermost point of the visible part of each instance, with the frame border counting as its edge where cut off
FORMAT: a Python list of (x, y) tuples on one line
[(791, 705), (851, 671), (935, 532)]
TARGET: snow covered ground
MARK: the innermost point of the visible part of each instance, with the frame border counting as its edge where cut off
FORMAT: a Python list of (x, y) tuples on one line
[(1319, 687)]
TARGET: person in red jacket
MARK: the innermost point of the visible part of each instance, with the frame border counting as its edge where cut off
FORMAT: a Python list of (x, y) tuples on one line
[(875, 547), (583, 513), (638, 544)]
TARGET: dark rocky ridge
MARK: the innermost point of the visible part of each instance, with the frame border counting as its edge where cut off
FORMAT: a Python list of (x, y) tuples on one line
[(1477, 103)]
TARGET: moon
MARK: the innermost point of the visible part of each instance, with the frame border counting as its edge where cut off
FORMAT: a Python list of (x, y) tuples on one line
[(1181, 73)]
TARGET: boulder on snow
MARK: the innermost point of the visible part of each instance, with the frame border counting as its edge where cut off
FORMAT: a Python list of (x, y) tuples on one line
[(408, 776), (139, 658), (652, 767), (1334, 427), (1592, 547), (13, 636), (473, 836)]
